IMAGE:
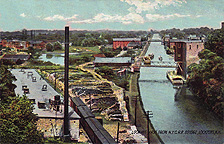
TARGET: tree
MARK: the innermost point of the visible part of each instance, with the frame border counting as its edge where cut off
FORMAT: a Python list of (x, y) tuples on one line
[(18, 123), (215, 42), (31, 50), (57, 46), (49, 47), (206, 79), (6, 85)]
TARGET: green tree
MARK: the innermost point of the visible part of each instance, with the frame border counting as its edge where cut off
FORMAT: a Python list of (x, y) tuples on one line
[(206, 79), (57, 46), (49, 47), (6, 85), (18, 123), (31, 50), (215, 42)]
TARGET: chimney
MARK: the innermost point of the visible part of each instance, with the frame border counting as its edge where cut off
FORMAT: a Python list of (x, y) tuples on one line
[(31, 34), (66, 94)]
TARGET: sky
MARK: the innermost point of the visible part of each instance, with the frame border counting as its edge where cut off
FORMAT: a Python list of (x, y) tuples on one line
[(110, 14)]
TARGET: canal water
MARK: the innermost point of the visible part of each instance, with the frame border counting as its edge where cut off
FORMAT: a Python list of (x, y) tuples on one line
[(178, 116)]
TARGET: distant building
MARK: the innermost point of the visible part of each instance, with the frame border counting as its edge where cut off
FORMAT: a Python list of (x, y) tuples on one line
[(123, 42), (166, 39), (132, 45), (4, 43), (195, 37), (99, 55), (115, 61), (36, 44), (16, 59), (186, 52), (222, 25)]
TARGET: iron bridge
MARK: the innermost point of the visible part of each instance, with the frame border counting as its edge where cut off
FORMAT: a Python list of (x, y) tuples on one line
[(164, 64)]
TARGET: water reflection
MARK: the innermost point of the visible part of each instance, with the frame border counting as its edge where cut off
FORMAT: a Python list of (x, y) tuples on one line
[(49, 56)]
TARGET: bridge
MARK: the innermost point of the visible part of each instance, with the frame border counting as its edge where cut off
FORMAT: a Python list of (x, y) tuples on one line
[(163, 64), (155, 40)]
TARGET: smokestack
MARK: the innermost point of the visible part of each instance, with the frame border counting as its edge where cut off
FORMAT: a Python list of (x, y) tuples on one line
[(66, 61), (31, 34)]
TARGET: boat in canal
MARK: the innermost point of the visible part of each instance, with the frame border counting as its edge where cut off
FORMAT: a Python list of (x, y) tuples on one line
[(147, 60), (174, 78), (151, 56)]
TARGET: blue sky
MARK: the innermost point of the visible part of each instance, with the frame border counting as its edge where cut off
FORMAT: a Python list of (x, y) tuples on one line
[(110, 14)]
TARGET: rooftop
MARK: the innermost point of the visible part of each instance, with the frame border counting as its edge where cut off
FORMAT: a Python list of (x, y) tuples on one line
[(132, 44), (186, 40), (126, 39), (113, 60)]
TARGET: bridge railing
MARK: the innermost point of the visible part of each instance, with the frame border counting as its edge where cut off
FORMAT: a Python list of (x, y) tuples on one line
[(160, 64)]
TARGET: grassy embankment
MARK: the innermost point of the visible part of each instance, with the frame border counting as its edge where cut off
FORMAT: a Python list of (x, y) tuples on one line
[(141, 121)]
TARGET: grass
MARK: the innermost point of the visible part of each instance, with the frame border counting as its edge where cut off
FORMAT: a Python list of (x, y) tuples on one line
[(141, 121), (72, 49)]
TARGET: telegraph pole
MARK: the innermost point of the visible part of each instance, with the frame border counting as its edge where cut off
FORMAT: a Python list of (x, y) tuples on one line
[(135, 98), (118, 132), (55, 82), (147, 116), (66, 61)]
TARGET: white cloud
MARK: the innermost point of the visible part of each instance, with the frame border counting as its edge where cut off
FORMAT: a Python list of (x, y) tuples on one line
[(141, 5), (22, 15), (60, 17), (134, 17), (101, 17), (198, 16), (158, 17)]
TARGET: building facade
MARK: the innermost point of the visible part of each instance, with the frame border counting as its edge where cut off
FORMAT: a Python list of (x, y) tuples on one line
[(123, 42), (186, 53)]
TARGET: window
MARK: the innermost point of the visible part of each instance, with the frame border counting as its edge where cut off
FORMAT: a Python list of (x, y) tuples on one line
[(179, 45), (179, 55), (190, 47), (197, 46)]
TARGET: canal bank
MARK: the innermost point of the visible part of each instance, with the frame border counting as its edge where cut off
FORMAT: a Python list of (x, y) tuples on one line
[(135, 101), (178, 116)]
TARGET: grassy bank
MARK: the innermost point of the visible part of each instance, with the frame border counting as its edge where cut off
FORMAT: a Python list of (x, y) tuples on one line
[(141, 121)]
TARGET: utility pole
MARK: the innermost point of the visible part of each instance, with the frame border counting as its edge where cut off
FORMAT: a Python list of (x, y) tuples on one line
[(135, 99), (90, 100), (55, 82), (66, 61), (147, 116), (118, 132)]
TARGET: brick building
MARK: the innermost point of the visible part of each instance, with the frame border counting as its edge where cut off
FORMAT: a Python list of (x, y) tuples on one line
[(36, 44), (186, 53), (123, 42)]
